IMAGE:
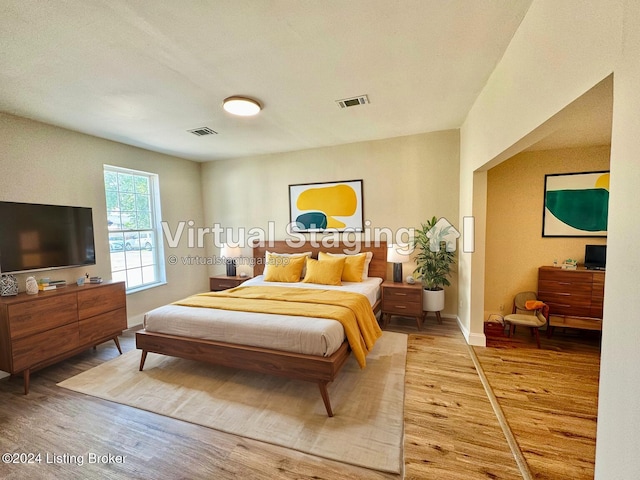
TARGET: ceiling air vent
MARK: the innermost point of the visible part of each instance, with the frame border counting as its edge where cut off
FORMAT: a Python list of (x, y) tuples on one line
[(353, 102), (202, 131)]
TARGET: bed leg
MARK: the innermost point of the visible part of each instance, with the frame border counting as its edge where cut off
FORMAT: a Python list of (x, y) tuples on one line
[(325, 397), (142, 359)]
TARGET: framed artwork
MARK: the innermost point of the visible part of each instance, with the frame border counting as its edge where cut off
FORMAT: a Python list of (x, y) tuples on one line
[(576, 204), (316, 207)]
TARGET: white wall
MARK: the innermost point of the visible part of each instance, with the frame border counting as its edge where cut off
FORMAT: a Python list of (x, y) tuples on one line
[(44, 164), (560, 51), (618, 434), (406, 180)]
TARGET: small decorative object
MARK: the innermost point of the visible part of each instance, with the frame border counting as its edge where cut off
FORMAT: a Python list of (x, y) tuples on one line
[(32, 286), (570, 264), (410, 280), (8, 285), (80, 281)]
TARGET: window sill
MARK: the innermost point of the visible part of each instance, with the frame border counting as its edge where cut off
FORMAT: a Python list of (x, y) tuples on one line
[(142, 288)]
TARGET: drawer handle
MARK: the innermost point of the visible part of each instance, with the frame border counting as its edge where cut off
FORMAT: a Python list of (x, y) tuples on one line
[(400, 294), (401, 306)]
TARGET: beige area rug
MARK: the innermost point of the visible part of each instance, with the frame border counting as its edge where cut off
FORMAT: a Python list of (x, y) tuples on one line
[(367, 429)]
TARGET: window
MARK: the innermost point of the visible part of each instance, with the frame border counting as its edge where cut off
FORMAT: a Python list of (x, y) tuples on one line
[(135, 240)]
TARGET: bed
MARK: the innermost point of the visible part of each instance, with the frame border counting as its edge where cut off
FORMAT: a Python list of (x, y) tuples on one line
[(321, 366)]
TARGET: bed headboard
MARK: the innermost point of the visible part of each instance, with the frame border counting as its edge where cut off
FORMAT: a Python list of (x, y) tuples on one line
[(377, 268)]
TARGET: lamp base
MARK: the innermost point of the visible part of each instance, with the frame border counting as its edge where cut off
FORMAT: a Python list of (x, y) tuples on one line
[(397, 272), (231, 268)]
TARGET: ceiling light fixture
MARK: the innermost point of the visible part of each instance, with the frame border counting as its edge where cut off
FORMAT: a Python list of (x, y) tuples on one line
[(241, 106)]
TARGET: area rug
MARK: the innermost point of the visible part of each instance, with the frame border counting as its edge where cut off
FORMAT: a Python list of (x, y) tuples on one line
[(367, 429)]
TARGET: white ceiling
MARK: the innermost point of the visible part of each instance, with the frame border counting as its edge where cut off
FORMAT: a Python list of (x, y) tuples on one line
[(144, 72)]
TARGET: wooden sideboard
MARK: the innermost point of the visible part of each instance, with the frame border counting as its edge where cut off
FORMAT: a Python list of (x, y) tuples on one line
[(574, 297), (39, 330)]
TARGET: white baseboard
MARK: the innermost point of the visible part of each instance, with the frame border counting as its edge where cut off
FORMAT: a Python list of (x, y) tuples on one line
[(474, 339), (4, 374)]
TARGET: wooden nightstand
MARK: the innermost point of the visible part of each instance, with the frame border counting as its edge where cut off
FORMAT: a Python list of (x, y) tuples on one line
[(402, 299), (222, 282)]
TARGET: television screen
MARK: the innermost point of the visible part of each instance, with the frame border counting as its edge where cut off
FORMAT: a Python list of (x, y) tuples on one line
[(595, 257), (39, 237)]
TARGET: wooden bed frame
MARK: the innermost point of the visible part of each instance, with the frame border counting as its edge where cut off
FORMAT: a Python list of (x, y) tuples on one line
[(311, 368)]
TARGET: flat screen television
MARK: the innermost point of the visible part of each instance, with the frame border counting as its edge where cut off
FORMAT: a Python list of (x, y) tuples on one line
[(595, 257), (41, 237)]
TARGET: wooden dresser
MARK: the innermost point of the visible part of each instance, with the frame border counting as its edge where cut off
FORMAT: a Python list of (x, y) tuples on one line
[(574, 297), (39, 330)]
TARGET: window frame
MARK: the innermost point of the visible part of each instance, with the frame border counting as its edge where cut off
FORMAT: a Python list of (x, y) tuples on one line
[(155, 226)]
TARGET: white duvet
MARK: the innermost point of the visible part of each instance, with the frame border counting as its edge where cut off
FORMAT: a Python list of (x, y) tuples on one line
[(311, 336)]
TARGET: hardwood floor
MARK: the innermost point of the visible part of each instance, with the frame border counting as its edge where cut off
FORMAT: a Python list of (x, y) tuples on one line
[(549, 397), (451, 431)]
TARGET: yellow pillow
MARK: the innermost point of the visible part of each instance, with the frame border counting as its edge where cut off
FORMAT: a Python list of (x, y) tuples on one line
[(325, 272), (353, 266), (284, 269)]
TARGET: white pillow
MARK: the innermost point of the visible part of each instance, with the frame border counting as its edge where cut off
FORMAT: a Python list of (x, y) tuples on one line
[(266, 259), (367, 262)]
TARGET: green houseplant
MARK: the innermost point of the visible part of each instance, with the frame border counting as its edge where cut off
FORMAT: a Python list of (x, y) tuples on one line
[(433, 261)]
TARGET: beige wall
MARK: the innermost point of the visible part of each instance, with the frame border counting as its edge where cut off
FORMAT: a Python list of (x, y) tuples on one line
[(405, 181), (515, 247), (44, 164)]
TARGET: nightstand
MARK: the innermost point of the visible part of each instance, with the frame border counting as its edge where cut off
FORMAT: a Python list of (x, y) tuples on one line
[(402, 299), (222, 282)]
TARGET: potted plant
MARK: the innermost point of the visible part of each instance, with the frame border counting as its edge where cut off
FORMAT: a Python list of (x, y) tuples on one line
[(434, 261)]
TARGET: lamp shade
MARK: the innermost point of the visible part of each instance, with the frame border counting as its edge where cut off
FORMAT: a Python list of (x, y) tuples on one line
[(230, 252), (397, 254)]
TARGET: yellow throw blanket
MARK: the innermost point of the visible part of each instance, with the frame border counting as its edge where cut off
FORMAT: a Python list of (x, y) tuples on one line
[(352, 310)]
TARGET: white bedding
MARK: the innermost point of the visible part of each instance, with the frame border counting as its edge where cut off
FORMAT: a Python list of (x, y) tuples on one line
[(311, 336)]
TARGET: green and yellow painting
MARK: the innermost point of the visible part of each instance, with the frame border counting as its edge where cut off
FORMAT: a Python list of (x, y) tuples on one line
[(326, 206), (576, 204)]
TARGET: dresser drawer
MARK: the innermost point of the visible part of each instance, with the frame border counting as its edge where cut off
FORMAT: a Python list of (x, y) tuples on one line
[(574, 288), (567, 304), (99, 299), (107, 325), (41, 314), (30, 351), (565, 276), (410, 309), (409, 294)]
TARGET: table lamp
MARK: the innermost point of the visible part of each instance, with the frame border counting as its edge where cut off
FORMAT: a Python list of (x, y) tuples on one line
[(397, 256), (230, 255)]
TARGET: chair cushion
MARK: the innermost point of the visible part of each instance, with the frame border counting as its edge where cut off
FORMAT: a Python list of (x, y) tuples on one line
[(526, 320)]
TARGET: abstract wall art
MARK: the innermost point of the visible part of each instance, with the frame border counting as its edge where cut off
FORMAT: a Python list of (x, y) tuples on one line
[(316, 207), (576, 204)]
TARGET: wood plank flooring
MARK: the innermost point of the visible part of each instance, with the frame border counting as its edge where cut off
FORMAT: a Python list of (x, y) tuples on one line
[(451, 431), (549, 397)]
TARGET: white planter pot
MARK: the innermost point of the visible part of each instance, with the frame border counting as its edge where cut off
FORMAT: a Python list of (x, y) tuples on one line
[(432, 300)]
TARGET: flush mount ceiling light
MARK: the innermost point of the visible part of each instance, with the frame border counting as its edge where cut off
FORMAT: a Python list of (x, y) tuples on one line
[(241, 106)]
